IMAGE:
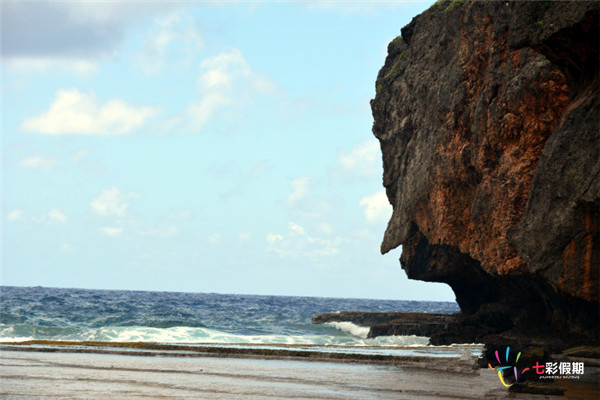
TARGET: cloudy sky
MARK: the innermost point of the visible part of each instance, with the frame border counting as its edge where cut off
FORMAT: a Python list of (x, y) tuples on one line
[(197, 146)]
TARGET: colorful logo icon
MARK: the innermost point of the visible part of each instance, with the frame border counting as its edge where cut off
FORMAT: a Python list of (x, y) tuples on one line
[(501, 367), (550, 369)]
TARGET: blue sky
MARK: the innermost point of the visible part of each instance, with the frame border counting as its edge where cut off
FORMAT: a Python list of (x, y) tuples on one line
[(198, 146)]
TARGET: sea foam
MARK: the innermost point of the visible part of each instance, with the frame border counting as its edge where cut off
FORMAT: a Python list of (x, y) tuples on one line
[(351, 328), (349, 335), (165, 317)]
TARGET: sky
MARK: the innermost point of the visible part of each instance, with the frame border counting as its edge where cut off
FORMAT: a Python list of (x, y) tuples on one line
[(198, 146)]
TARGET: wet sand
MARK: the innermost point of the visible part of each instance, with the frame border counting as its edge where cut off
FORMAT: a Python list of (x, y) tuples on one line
[(51, 373)]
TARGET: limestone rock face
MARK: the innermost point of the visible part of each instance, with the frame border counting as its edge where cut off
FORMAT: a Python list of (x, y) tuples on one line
[(488, 118)]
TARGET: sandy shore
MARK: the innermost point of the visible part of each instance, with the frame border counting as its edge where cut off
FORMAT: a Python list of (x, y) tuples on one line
[(35, 372)]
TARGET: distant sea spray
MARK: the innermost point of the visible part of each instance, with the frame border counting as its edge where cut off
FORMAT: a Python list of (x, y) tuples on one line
[(36, 313)]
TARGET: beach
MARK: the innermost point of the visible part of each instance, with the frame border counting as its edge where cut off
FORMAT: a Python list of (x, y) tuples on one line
[(74, 343), (50, 373), (89, 344)]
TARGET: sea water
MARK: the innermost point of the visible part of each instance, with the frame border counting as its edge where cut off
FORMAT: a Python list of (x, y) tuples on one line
[(38, 313)]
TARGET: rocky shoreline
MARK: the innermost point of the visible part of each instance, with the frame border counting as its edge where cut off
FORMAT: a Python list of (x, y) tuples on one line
[(120, 370), (392, 323), (441, 327)]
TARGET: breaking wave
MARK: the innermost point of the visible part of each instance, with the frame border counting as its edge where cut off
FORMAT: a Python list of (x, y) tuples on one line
[(162, 317), (349, 327), (355, 336)]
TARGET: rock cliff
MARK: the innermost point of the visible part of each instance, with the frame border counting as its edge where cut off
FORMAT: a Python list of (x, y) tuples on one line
[(488, 118)]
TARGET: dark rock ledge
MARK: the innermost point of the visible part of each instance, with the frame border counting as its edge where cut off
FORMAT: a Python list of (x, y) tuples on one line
[(392, 323)]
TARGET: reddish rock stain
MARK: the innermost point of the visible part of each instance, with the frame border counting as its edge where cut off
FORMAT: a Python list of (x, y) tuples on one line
[(490, 174)]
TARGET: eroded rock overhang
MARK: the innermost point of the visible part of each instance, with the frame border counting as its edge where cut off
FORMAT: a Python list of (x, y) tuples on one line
[(487, 115)]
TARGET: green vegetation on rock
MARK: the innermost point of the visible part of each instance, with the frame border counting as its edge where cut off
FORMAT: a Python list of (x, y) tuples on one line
[(398, 61), (454, 3)]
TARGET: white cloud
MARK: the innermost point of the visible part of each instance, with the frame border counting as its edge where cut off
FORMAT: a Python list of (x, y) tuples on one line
[(110, 231), (79, 155), (154, 49), (244, 237), (58, 30), (220, 70), (297, 243), (325, 228), (377, 207), (226, 80), (28, 65), (162, 232), (109, 203), (200, 113), (16, 216), (55, 216), (174, 40), (304, 201), (364, 158), (37, 162), (296, 228), (76, 113), (72, 37), (215, 78), (299, 189), (273, 238)]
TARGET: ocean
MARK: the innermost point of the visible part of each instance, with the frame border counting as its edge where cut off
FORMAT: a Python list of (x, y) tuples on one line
[(88, 344), (38, 313)]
